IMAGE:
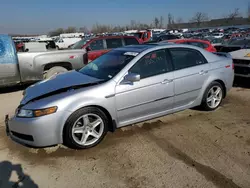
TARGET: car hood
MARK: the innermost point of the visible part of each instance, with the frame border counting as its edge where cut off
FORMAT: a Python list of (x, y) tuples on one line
[(57, 84)]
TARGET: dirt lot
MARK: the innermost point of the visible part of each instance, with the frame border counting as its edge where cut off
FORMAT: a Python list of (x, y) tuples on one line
[(188, 149)]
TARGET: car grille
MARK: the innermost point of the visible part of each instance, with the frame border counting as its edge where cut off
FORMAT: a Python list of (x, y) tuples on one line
[(23, 136), (242, 70), (241, 61)]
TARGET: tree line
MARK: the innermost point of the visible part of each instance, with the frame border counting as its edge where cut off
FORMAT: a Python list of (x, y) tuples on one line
[(198, 20)]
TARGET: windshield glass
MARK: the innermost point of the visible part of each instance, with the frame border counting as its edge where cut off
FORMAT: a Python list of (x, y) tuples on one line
[(238, 42), (108, 65), (79, 44), (138, 35)]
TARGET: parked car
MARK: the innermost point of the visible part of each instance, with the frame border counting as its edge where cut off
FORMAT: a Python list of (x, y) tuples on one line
[(16, 68), (63, 43), (100, 45), (195, 42), (124, 86), (234, 44), (165, 37), (218, 35)]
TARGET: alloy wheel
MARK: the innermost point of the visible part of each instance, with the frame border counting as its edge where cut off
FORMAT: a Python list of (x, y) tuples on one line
[(214, 97), (87, 129)]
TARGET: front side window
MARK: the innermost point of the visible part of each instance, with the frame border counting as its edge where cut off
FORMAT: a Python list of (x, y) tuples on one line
[(152, 64), (114, 43), (130, 41), (198, 44), (96, 45), (108, 65), (184, 58)]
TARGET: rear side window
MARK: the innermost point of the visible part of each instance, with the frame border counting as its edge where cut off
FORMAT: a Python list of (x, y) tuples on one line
[(2, 48), (130, 41), (198, 44), (97, 45), (184, 58), (114, 43)]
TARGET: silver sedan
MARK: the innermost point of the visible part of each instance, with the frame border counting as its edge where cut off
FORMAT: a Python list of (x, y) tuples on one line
[(125, 86)]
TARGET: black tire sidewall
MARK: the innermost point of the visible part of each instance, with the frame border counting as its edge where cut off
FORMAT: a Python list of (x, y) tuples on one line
[(67, 133), (204, 100)]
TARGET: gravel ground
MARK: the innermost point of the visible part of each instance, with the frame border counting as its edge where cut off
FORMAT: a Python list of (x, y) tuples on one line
[(187, 149)]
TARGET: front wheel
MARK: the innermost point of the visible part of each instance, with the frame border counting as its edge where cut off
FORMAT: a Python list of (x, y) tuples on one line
[(212, 97), (85, 128)]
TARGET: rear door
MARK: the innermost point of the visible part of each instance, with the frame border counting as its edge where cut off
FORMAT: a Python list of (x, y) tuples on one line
[(190, 73), (9, 70), (97, 48)]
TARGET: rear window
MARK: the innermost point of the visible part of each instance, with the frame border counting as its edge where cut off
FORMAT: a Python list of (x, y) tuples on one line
[(130, 41), (114, 43)]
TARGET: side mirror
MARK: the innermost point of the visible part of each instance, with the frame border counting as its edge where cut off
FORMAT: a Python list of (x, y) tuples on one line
[(132, 77), (88, 49)]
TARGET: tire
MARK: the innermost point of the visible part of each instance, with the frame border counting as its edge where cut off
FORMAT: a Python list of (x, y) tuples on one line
[(53, 71), (210, 96), (57, 48), (78, 132)]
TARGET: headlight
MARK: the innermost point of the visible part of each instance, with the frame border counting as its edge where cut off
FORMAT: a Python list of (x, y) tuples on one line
[(35, 113)]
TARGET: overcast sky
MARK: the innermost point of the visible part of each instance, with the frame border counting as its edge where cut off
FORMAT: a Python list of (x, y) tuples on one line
[(38, 17)]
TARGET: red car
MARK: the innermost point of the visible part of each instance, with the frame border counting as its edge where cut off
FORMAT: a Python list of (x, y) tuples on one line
[(100, 45), (196, 42)]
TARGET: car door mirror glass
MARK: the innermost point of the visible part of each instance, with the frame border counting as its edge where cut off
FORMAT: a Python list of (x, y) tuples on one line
[(132, 77)]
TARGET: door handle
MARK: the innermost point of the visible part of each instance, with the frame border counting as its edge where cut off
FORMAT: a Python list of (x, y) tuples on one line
[(203, 72), (166, 81)]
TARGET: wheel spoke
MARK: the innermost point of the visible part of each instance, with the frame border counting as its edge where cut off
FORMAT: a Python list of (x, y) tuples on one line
[(86, 120), (78, 130), (95, 134), (217, 92), (213, 102), (209, 99), (96, 123), (84, 138)]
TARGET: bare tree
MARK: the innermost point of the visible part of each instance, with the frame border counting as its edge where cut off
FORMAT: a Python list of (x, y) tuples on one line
[(234, 14), (83, 29), (161, 24), (56, 32), (179, 20), (199, 17), (70, 30), (156, 22), (248, 10)]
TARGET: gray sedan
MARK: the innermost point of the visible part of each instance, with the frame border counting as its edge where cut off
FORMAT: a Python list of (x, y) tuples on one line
[(125, 86)]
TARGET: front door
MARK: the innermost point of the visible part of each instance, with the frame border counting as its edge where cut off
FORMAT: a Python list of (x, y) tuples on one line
[(9, 70), (190, 72), (150, 97)]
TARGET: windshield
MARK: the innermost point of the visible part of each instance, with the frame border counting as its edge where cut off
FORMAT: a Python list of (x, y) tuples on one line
[(108, 65), (238, 42), (80, 44), (138, 35)]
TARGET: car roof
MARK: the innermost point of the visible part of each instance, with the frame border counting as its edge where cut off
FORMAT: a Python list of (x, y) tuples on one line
[(142, 47), (108, 37), (194, 40)]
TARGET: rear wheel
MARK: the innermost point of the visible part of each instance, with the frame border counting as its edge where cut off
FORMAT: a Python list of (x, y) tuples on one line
[(53, 71), (85, 128), (212, 97)]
